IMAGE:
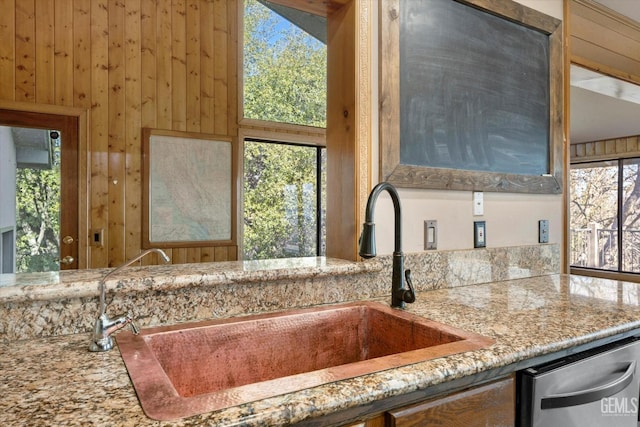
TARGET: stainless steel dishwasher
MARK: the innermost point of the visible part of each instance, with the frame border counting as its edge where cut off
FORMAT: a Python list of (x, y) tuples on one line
[(598, 388)]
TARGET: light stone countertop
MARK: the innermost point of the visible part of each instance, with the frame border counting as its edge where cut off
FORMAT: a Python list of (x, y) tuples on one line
[(83, 283), (56, 381)]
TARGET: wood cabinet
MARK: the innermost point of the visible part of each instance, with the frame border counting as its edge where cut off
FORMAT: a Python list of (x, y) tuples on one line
[(492, 404)]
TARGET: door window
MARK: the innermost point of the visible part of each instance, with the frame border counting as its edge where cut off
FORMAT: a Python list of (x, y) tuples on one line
[(38, 191)]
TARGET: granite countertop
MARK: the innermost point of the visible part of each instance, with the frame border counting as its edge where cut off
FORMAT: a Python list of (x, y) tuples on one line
[(56, 381), (83, 283)]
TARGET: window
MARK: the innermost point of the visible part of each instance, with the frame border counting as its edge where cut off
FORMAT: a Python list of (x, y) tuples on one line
[(605, 215), (285, 66), (284, 83), (284, 199)]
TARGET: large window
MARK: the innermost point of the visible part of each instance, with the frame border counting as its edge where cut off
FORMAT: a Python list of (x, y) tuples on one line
[(284, 192), (285, 66), (605, 215), (284, 84)]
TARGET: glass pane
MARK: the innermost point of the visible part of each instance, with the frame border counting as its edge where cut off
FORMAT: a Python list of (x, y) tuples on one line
[(594, 223), (631, 216), (37, 199), (285, 68), (280, 200)]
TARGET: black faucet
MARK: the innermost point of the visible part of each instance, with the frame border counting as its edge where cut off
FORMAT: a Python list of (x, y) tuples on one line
[(399, 294)]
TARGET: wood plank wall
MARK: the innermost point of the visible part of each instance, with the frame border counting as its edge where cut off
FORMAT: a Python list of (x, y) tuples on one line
[(167, 64), (609, 149), (604, 40)]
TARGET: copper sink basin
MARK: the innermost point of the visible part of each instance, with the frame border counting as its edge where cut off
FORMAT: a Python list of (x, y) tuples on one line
[(183, 370)]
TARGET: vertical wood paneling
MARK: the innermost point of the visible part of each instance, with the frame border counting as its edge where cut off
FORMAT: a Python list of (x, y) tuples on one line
[(63, 53), (179, 256), (148, 62), (99, 137), (133, 118), (82, 53), (117, 123), (167, 64), (45, 52), (207, 255), (192, 83), (82, 99), (25, 51), (148, 112), (163, 64), (7, 49), (231, 86), (231, 79), (221, 254), (178, 65), (194, 255), (206, 66), (163, 69), (193, 65), (220, 78)]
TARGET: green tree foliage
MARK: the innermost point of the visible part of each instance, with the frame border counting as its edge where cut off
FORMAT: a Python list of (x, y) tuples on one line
[(285, 72), (284, 81), (279, 201), (38, 225)]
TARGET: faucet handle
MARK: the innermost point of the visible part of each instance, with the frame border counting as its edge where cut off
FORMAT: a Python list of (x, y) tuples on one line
[(134, 328), (409, 295)]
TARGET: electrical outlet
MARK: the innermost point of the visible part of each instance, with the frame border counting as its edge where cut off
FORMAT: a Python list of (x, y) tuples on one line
[(479, 234), (97, 237), (431, 234), (543, 231)]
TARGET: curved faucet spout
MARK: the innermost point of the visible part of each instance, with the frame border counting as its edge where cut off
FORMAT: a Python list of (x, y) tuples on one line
[(104, 326), (399, 294), (369, 251), (160, 252)]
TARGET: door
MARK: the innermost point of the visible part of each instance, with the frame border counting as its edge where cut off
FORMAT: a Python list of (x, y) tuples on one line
[(67, 127), (594, 389)]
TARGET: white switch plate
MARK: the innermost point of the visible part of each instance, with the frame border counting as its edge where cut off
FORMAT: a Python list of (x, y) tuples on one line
[(478, 203), (431, 234)]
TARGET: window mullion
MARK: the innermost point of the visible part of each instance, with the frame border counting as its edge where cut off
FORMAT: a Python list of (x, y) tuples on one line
[(318, 201), (620, 218)]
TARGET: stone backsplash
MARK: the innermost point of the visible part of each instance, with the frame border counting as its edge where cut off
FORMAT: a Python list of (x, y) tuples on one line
[(66, 303)]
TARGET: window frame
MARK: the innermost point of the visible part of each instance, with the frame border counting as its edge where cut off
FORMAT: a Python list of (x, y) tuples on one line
[(258, 123), (275, 137), (618, 273), (266, 131)]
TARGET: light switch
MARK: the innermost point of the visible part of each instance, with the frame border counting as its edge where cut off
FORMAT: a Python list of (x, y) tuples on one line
[(478, 203), (431, 234), (543, 231)]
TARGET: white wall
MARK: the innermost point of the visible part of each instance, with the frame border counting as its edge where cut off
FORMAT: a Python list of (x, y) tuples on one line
[(511, 218)]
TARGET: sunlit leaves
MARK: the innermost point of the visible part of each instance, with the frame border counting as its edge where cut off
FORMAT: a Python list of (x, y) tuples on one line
[(284, 81), (285, 77), (279, 200), (38, 206)]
